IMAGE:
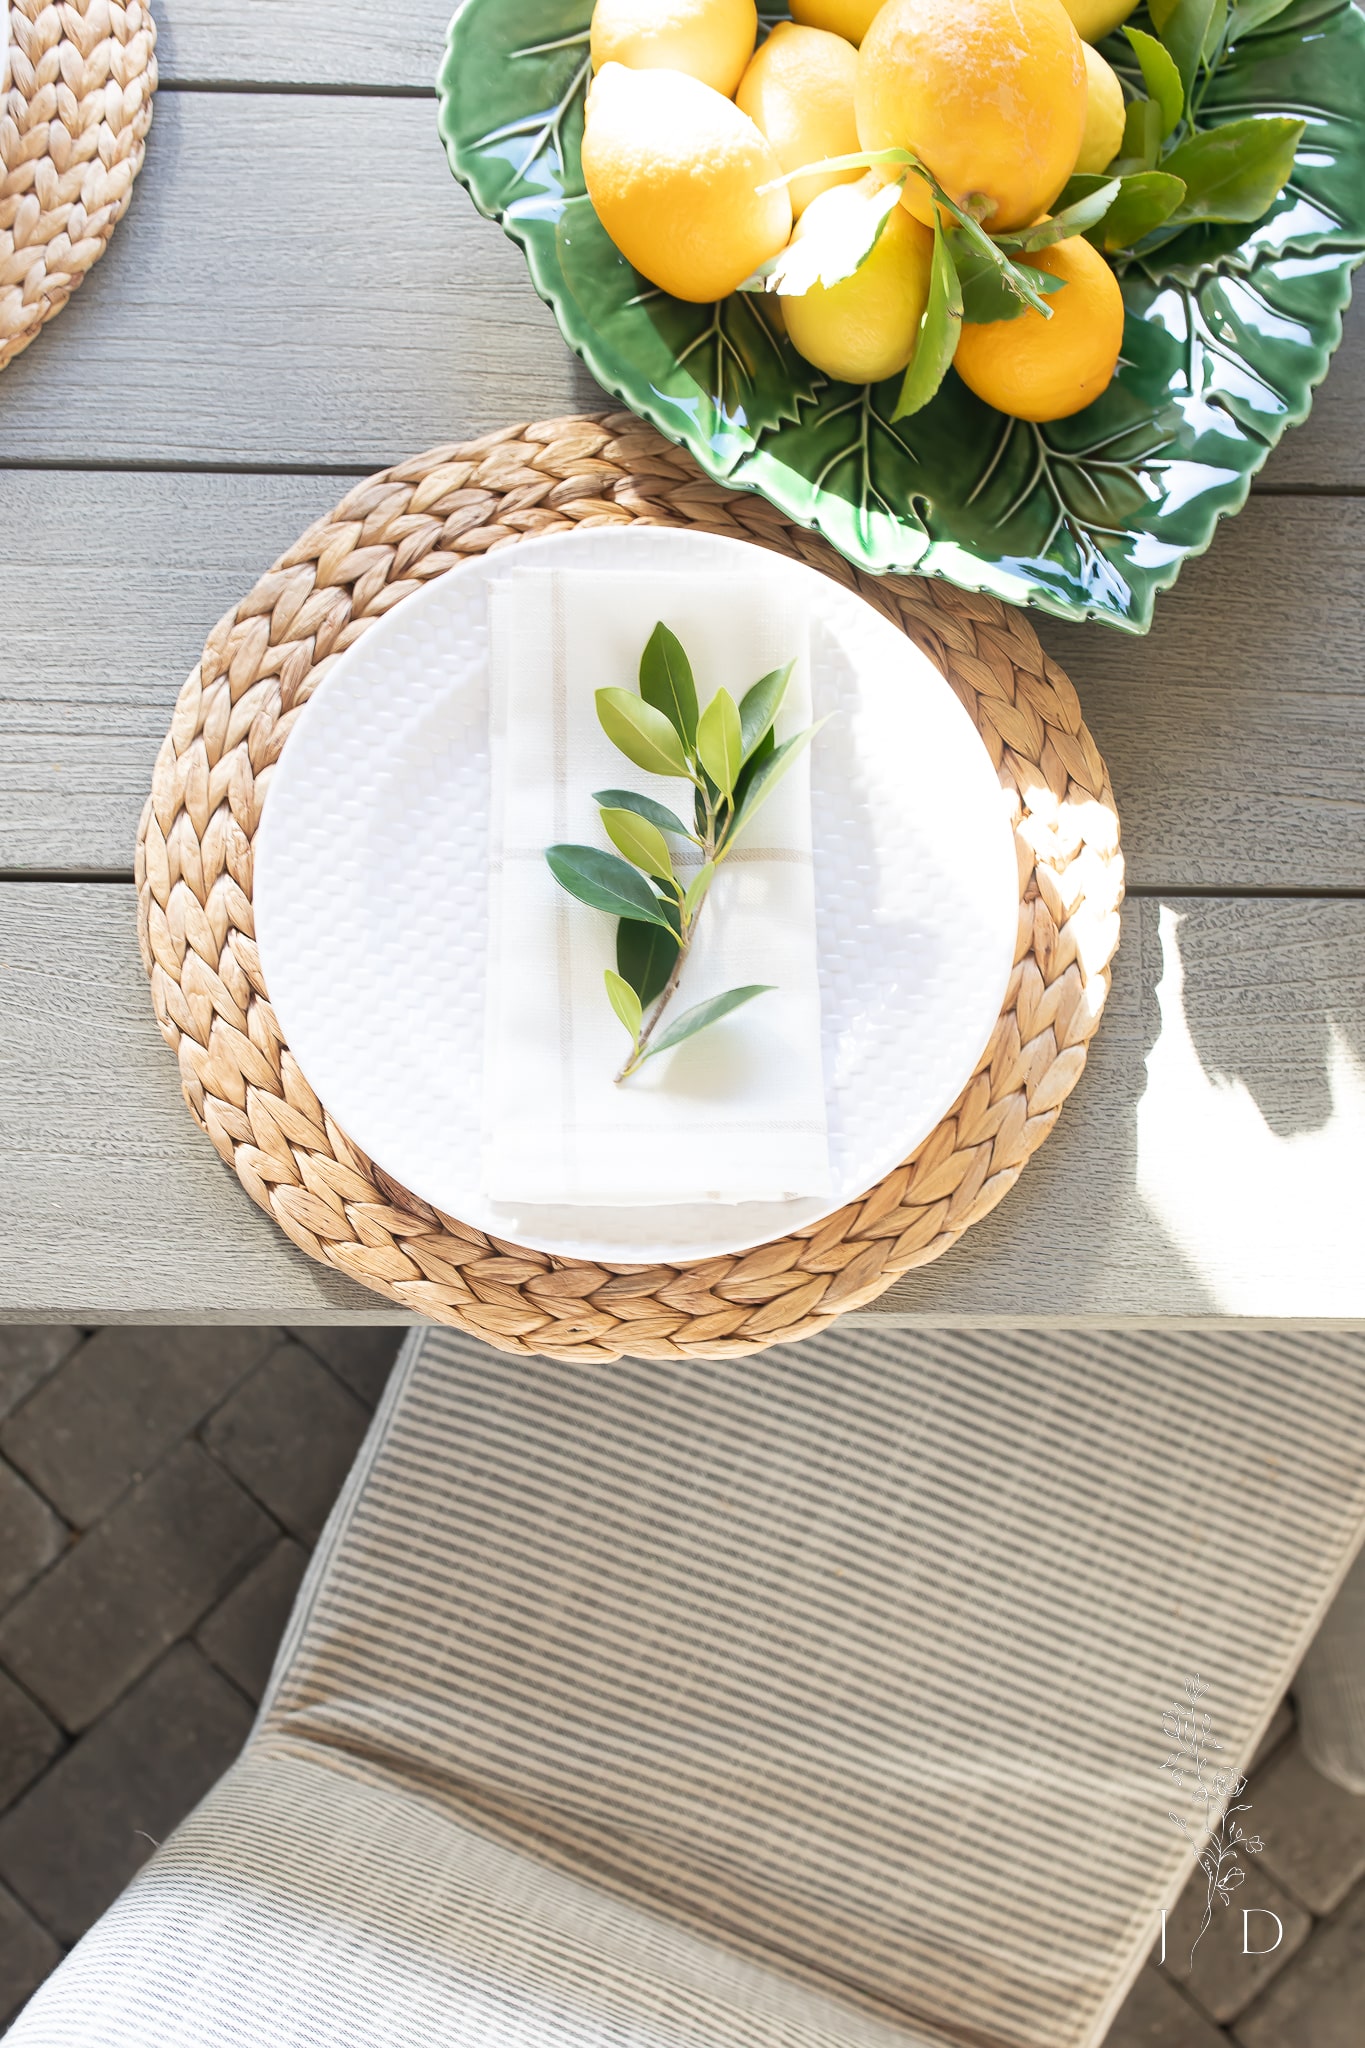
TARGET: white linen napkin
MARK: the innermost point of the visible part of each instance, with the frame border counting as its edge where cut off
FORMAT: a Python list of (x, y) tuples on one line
[(738, 1113)]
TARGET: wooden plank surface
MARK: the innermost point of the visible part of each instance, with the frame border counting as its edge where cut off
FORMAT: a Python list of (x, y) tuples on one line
[(109, 583), (1235, 732), (110, 1196), (301, 283), (301, 42), (112, 1206)]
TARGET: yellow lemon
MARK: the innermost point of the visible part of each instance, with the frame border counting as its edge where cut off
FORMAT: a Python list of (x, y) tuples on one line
[(1104, 112), (799, 91), (673, 170), (863, 328), (1095, 19), (990, 94), (1040, 369), (711, 40), (850, 19)]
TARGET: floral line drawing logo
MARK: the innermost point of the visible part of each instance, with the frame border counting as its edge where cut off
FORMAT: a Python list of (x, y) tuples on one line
[(1216, 1795)]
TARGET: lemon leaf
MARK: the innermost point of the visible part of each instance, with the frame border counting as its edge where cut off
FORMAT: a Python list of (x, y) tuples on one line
[(666, 681), (768, 772), (1160, 76), (645, 953), (987, 293), (1145, 201), (643, 807), (1082, 213), (625, 1002), (1141, 144), (1235, 172), (642, 843), (643, 734), (697, 888), (833, 249), (710, 1012), (1184, 30), (605, 883), (720, 741), (759, 707), (939, 328)]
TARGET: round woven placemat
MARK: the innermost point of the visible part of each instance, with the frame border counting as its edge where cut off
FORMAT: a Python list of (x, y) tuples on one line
[(73, 122), (390, 535)]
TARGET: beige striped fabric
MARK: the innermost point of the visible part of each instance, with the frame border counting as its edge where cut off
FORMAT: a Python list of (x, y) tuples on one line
[(309, 1907), (1329, 1691), (815, 1700)]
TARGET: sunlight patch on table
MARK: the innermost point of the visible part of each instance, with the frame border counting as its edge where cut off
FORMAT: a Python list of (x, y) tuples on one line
[(1270, 1224)]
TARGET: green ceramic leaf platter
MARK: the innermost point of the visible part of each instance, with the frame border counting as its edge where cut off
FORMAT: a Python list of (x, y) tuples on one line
[(1228, 332)]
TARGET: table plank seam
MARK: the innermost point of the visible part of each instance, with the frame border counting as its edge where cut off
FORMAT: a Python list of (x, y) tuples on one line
[(266, 88)]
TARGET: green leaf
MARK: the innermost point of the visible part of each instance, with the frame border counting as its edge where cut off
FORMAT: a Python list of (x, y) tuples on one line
[(643, 807), (1235, 172), (759, 707), (697, 888), (1161, 12), (1141, 145), (1218, 22), (1080, 185), (666, 682), (1249, 16), (1145, 200), (625, 1002), (838, 241), (645, 953), (936, 343), (1184, 30), (1081, 213), (644, 735), (768, 773), (710, 1012), (605, 883), (987, 294), (968, 233), (720, 743), (1160, 76), (766, 746), (642, 843)]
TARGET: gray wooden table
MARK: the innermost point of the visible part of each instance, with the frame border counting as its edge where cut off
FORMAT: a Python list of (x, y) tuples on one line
[(299, 295)]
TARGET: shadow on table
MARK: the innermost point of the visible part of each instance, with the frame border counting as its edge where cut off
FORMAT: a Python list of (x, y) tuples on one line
[(1284, 1012)]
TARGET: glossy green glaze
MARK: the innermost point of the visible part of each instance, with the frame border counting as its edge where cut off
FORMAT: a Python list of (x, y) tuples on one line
[(1227, 334)]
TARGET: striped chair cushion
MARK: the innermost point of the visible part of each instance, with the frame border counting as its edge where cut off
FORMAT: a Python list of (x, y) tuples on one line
[(812, 1699)]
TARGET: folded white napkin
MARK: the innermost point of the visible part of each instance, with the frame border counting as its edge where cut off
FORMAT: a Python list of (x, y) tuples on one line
[(736, 1114)]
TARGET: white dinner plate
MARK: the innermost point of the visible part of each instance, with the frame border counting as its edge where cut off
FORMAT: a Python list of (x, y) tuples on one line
[(370, 896)]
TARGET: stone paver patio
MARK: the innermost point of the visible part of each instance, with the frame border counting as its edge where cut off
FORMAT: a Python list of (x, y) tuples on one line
[(160, 1490)]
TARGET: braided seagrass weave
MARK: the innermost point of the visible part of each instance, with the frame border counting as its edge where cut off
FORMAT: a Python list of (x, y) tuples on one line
[(194, 863), (73, 120)]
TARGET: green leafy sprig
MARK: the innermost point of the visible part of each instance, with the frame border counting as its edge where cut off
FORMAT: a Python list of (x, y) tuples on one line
[(731, 758)]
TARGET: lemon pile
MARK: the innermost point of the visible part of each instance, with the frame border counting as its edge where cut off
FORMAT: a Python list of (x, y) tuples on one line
[(690, 132)]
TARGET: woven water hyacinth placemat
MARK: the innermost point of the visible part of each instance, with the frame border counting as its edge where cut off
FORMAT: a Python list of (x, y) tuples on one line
[(76, 85), (390, 535)]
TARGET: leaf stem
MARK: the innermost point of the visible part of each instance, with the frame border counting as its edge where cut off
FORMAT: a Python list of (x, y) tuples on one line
[(639, 1052), (714, 846)]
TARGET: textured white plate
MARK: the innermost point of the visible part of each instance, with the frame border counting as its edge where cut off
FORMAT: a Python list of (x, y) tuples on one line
[(371, 884)]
